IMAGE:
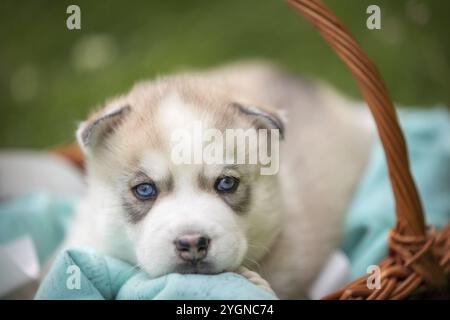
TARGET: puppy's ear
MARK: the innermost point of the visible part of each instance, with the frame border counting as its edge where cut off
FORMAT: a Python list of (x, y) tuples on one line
[(93, 132), (262, 119)]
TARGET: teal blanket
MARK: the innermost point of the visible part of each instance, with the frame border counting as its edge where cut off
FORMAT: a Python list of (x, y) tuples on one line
[(43, 217), (371, 213), (90, 275)]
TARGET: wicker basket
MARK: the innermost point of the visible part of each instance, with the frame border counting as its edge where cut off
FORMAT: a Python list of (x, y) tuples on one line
[(418, 261)]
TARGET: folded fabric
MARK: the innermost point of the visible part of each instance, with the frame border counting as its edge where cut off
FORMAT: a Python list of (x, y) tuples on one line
[(372, 213), (42, 216), (86, 274)]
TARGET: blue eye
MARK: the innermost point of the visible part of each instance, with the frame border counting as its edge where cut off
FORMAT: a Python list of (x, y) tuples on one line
[(226, 184), (145, 191)]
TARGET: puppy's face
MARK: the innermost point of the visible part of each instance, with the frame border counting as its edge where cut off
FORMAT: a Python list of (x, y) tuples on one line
[(192, 217)]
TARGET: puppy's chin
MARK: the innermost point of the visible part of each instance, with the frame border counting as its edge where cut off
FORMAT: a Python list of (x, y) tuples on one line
[(196, 268), (180, 266)]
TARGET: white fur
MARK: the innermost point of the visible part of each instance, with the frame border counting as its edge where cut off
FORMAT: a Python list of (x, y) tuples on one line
[(295, 219)]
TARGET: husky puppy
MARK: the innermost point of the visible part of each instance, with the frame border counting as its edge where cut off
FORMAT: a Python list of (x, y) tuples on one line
[(163, 216)]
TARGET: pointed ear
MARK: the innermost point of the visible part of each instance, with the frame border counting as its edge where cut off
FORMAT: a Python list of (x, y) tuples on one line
[(262, 119), (93, 132)]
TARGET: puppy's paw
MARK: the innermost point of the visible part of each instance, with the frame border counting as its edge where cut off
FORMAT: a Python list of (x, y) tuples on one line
[(254, 278)]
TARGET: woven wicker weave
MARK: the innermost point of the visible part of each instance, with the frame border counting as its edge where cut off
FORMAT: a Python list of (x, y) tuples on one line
[(419, 259)]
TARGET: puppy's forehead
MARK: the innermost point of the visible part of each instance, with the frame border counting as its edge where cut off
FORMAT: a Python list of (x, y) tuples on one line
[(154, 163), (158, 111), (148, 134), (176, 114)]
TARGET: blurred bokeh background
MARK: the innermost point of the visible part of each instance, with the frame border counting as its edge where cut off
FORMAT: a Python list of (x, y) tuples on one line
[(50, 77)]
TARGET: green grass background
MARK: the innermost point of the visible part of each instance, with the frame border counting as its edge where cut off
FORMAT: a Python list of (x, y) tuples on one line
[(45, 89)]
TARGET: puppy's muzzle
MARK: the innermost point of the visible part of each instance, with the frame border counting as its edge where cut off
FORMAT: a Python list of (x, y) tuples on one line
[(192, 247)]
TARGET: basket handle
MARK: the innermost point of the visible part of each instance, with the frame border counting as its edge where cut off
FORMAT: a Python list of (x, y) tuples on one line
[(409, 212)]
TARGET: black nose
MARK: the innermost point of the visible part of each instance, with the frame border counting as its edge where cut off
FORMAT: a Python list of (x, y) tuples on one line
[(192, 247)]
